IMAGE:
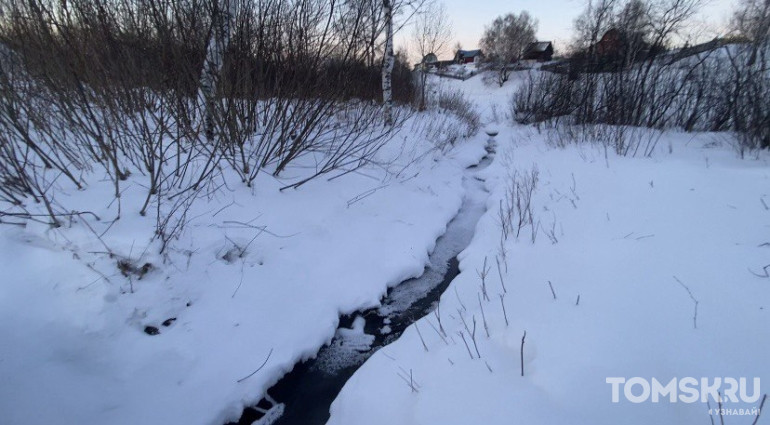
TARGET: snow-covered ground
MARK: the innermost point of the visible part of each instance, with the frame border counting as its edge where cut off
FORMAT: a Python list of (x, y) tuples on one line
[(652, 265), (641, 267), (259, 278)]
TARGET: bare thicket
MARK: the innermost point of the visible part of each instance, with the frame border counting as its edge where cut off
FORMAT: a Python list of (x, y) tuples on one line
[(640, 82), (515, 210), (449, 117), (174, 93)]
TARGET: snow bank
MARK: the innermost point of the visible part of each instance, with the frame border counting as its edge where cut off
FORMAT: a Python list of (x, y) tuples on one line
[(627, 232), (258, 273)]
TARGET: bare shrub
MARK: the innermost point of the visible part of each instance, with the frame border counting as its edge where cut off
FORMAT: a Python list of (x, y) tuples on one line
[(515, 210), (456, 103), (716, 86), (119, 87)]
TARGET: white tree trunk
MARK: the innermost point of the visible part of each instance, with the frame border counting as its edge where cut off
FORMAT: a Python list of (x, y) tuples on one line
[(388, 63), (212, 65)]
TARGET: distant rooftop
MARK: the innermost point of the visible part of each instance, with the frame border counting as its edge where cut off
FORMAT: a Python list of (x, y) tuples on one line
[(469, 53), (538, 46)]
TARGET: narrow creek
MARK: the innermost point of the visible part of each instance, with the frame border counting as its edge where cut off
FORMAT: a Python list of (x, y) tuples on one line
[(304, 395)]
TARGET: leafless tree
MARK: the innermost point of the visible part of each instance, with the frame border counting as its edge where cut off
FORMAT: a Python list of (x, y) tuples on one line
[(506, 38), (432, 33)]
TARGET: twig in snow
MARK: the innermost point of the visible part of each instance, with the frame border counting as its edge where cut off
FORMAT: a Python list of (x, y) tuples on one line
[(488, 367), (551, 234), (534, 228), (759, 411), (240, 282), (502, 303), (578, 300), (708, 404), (410, 380), (764, 204), (420, 335), (552, 291), (574, 187), (365, 194), (719, 405), (437, 313), (522, 352), (258, 369), (438, 332), (483, 275), (764, 269), (251, 226), (473, 338), (483, 317), (466, 343), (503, 253), (500, 273), (93, 269), (695, 314), (224, 208), (472, 333), (459, 300)]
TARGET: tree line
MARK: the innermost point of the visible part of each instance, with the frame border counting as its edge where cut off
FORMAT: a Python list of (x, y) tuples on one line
[(177, 91), (625, 72)]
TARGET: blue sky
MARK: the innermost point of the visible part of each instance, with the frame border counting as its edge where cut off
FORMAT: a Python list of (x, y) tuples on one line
[(555, 18)]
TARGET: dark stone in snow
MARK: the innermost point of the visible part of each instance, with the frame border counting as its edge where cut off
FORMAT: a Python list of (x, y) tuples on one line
[(151, 330), (169, 321)]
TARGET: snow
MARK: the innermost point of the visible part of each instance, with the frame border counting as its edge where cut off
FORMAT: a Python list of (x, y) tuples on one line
[(259, 276), (634, 238), (259, 279)]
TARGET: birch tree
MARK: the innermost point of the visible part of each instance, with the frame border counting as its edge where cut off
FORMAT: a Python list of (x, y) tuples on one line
[(219, 38), (387, 64)]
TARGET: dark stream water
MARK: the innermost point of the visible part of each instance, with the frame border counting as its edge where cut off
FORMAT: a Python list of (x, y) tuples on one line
[(307, 392)]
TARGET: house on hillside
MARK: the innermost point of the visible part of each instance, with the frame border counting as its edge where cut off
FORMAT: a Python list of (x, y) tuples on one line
[(540, 51), (618, 43), (609, 44), (468, 56)]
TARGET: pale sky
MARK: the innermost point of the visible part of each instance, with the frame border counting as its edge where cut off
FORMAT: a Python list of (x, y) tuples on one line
[(555, 18)]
